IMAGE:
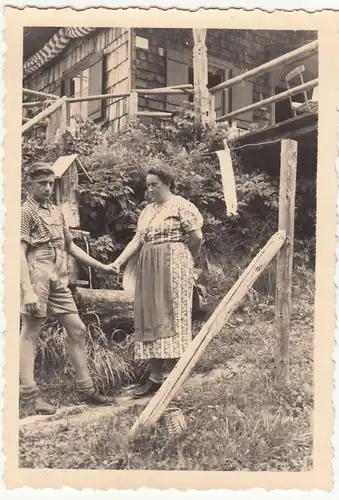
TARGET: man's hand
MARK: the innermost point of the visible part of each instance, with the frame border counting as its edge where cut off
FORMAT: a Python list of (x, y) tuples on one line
[(114, 268), (31, 303)]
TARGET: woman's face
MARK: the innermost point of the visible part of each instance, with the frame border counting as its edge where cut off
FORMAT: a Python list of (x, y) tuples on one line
[(157, 189)]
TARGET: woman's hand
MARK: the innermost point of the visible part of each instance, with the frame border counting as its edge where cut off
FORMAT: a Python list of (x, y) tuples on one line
[(114, 267)]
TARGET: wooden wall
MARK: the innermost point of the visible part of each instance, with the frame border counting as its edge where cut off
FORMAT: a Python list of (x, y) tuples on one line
[(168, 61), (117, 75), (114, 45), (148, 58)]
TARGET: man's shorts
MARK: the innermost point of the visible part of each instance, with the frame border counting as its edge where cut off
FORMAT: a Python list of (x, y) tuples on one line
[(49, 278)]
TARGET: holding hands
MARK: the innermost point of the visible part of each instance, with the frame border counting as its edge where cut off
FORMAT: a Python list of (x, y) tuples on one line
[(114, 267)]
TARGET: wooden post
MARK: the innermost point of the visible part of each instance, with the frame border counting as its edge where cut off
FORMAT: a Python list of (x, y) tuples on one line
[(133, 106), (212, 327), (288, 175), (200, 70), (64, 117)]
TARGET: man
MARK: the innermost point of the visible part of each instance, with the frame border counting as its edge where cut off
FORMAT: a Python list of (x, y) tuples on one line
[(45, 242)]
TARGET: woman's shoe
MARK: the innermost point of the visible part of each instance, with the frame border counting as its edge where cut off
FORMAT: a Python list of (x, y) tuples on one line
[(98, 399), (147, 389)]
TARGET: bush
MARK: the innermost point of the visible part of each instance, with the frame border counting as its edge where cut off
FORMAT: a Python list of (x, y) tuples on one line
[(111, 203)]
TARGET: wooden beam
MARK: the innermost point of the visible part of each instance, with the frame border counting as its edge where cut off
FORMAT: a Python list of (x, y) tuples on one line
[(43, 114), (42, 95), (288, 177), (43, 123), (200, 71), (155, 114), (32, 104), (276, 98), (98, 97), (179, 89), (175, 90), (212, 327), (163, 91), (305, 50)]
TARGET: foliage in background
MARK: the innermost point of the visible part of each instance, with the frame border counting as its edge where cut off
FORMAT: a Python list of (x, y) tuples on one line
[(111, 203)]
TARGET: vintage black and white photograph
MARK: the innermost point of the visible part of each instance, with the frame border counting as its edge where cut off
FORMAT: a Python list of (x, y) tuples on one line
[(167, 248), (168, 264)]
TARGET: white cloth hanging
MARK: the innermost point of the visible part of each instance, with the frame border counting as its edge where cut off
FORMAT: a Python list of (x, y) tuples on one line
[(228, 180)]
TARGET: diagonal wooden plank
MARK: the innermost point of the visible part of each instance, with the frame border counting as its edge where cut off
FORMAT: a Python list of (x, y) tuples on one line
[(186, 363), (43, 114)]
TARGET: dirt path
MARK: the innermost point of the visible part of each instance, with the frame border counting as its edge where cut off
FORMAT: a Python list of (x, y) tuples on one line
[(84, 413)]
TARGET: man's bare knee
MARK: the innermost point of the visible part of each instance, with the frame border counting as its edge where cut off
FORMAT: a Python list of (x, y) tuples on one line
[(75, 328)]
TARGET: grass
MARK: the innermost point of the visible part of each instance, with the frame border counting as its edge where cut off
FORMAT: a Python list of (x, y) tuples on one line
[(238, 423)]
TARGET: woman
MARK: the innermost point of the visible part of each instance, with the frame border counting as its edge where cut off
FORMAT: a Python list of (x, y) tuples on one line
[(169, 237)]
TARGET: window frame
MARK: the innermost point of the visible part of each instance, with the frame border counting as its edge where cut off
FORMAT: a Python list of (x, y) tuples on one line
[(219, 64), (69, 74)]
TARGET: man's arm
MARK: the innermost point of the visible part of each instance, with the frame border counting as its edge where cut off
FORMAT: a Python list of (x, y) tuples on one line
[(84, 258), (29, 297), (78, 253)]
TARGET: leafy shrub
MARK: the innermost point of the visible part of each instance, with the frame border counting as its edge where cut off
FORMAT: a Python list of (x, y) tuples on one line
[(111, 203)]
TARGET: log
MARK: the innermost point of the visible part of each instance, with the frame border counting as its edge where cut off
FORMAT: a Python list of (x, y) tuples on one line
[(212, 327), (288, 177), (115, 304)]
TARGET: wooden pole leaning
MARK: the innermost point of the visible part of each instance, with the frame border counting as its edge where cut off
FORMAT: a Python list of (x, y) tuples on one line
[(185, 365), (270, 100), (288, 176), (43, 114), (41, 95)]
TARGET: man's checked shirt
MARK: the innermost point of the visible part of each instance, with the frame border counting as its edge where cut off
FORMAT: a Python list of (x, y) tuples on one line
[(41, 224)]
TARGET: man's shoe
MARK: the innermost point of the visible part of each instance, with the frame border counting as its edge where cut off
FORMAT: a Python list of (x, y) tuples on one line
[(98, 399), (147, 389), (43, 408)]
